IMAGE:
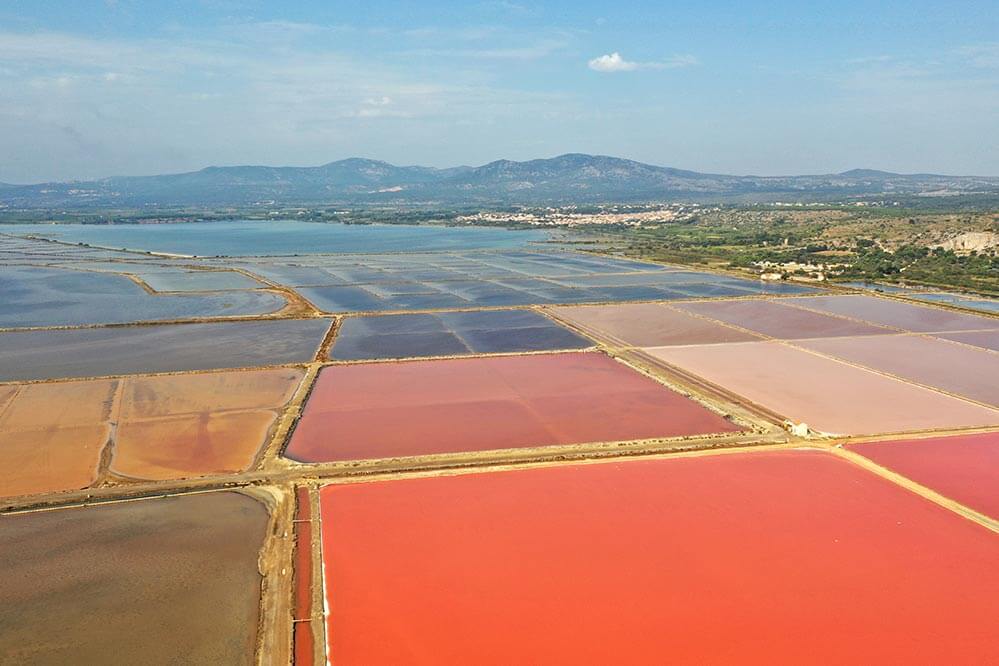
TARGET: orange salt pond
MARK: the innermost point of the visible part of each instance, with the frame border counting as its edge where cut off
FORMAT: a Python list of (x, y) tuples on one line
[(189, 425), (964, 468), (50, 406), (768, 557), (426, 407), (6, 395), (167, 427), (170, 395), (190, 445), (50, 460), (52, 436)]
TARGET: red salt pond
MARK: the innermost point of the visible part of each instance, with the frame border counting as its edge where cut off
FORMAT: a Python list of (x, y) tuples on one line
[(404, 409), (304, 653), (964, 468), (766, 557)]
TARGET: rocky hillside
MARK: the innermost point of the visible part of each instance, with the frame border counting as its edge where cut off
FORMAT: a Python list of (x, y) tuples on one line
[(563, 179)]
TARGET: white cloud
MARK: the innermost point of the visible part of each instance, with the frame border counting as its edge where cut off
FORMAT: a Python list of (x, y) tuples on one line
[(614, 62)]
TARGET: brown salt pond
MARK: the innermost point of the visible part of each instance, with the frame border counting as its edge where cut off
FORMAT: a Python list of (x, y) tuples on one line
[(887, 312), (52, 436), (169, 580), (178, 426), (776, 320), (428, 407), (765, 557), (964, 468), (971, 373), (828, 395), (649, 325)]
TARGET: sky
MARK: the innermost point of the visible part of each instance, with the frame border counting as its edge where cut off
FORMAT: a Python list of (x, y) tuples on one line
[(90, 89)]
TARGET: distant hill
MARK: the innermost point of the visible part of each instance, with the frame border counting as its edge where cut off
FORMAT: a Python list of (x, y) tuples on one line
[(563, 179)]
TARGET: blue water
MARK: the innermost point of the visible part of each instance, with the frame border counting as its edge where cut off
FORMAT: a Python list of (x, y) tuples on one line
[(39, 296), (983, 304), (279, 237)]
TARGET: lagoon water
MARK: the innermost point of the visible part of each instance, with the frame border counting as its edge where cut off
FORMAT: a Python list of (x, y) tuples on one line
[(280, 237)]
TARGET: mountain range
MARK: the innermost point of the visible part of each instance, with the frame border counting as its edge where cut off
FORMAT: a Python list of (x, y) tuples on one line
[(571, 178)]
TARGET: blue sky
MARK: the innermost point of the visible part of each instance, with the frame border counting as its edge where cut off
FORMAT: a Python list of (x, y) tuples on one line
[(119, 87)]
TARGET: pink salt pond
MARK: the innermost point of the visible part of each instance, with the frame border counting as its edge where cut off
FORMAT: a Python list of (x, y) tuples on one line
[(828, 395)]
